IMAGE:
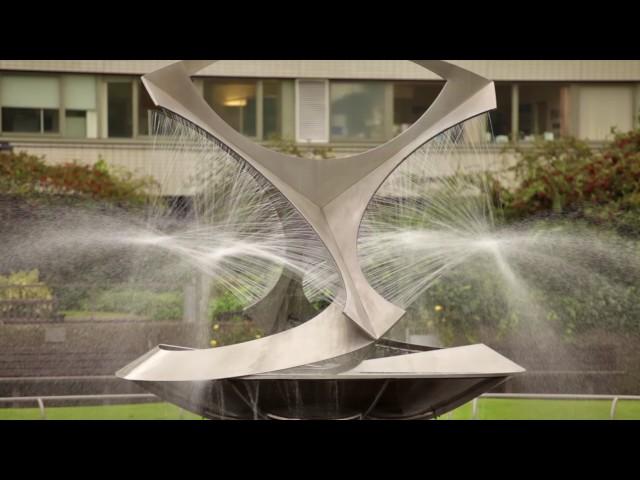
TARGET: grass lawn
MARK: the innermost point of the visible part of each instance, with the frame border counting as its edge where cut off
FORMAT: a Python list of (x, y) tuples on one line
[(488, 409), (526, 409), (140, 411)]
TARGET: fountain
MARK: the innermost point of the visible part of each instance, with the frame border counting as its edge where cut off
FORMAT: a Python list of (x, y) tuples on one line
[(311, 218)]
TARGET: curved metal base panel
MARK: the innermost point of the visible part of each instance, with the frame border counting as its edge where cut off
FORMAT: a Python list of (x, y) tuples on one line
[(417, 385)]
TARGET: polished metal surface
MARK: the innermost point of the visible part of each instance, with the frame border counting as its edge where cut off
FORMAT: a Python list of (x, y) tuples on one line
[(335, 365), (332, 195), (405, 386)]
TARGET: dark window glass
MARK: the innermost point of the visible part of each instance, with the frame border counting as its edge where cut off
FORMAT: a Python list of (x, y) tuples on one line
[(540, 111), (410, 101), (501, 116), (120, 109), (272, 109), (50, 121), (21, 120)]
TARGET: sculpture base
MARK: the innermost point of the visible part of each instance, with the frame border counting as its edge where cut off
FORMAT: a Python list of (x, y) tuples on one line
[(411, 385)]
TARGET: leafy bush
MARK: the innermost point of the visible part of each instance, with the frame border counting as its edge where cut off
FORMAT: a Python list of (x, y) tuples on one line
[(289, 147), (24, 174), (226, 303), (567, 176), (235, 330), (228, 323), (23, 294), (475, 302), (572, 188), (156, 305), (11, 286)]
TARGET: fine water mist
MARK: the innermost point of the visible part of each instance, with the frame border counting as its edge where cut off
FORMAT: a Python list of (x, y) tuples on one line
[(431, 242)]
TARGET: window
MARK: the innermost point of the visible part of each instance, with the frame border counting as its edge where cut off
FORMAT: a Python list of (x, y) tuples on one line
[(235, 102), (410, 101), (145, 109), (76, 123), (26, 120), (500, 118), (30, 104), (358, 111), (278, 105), (81, 120), (539, 112), (604, 106), (120, 109), (312, 111), (261, 109)]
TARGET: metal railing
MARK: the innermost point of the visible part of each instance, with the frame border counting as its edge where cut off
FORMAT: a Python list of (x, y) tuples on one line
[(40, 400)]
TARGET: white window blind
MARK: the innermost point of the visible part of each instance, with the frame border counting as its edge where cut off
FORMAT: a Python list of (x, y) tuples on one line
[(20, 91), (79, 92), (602, 107), (312, 111)]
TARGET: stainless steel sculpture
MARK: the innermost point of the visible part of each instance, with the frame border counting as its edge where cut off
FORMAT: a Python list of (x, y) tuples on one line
[(336, 350)]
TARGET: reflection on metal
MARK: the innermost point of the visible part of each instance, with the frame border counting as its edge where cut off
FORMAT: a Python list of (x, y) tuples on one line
[(327, 361), (415, 385)]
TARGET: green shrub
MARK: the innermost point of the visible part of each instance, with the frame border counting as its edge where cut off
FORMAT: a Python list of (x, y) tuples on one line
[(155, 305), (235, 330), (596, 289), (289, 147), (224, 304), (567, 186), (12, 286), (228, 323), (568, 176), (24, 174)]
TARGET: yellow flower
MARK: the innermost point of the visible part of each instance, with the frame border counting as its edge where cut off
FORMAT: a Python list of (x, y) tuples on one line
[(258, 336), (213, 342), (216, 326), (438, 308)]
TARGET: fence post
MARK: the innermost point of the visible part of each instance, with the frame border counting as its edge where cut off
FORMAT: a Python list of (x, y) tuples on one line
[(474, 409), (41, 407), (614, 404)]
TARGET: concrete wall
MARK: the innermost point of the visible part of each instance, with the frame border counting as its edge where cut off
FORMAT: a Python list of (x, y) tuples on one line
[(546, 70), (173, 172)]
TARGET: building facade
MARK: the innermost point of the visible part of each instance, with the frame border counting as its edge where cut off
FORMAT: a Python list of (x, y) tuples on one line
[(87, 110)]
